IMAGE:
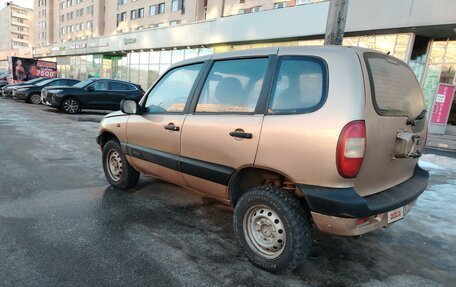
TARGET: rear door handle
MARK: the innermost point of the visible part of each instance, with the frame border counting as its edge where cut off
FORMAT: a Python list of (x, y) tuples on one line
[(172, 127), (241, 135)]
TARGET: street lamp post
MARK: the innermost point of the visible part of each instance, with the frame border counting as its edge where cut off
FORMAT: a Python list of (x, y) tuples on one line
[(335, 24)]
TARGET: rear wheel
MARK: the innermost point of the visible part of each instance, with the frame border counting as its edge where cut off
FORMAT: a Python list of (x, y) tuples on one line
[(71, 106), (273, 228), (118, 171), (35, 99)]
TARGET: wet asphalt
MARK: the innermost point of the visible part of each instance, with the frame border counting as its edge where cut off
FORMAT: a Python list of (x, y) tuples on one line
[(61, 224)]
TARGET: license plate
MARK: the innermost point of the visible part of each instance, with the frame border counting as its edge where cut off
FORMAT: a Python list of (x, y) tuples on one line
[(395, 215)]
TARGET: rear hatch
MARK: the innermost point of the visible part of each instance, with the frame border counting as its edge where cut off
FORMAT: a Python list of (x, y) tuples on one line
[(395, 124)]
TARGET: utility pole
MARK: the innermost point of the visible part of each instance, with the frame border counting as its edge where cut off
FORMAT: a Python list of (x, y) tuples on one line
[(335, 25)]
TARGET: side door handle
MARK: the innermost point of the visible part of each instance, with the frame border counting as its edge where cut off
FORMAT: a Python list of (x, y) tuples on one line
[(239, 134), (172, 127)]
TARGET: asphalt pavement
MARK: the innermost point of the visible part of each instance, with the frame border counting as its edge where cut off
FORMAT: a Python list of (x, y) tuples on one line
[(61, 224)]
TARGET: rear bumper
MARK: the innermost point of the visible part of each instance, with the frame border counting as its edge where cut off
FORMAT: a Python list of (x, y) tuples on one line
[(341, 207)]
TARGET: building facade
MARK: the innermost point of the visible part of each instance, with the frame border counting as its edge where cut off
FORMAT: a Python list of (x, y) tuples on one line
[(15, 33), (140, 42)]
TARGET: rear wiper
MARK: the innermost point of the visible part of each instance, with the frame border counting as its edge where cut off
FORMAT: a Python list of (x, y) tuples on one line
[(412, 122)]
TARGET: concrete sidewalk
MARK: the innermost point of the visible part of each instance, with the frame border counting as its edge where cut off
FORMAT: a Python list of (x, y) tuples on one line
[(444, 142)]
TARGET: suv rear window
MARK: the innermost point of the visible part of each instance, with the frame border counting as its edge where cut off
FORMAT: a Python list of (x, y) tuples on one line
[(395, 90), (299, 85)]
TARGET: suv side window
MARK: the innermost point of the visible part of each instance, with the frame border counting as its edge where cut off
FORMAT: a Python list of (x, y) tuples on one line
[(100, 85), (299, 85), (172, 91), (57, 83), (233, 86), (116, 86)]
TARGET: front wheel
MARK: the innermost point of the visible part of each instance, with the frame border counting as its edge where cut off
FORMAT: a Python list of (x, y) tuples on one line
[(35, 99), (273, 228), (118, 171), (71, 106)]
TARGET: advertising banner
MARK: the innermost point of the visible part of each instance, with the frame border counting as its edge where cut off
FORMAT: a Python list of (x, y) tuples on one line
[(441, 108), (24, 69)]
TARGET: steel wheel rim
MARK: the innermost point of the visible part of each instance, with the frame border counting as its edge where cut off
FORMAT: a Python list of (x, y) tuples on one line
[(36, 99), (114, 165), (264, 231), (71, 106)]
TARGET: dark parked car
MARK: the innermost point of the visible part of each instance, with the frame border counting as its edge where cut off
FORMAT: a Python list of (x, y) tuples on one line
[(7, 91), (3, 83), (97, 94), (32, 93)]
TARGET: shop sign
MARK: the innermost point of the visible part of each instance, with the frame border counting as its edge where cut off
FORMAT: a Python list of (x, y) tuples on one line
[(129, 41), (442, 104), (97, 45), (76, 46)]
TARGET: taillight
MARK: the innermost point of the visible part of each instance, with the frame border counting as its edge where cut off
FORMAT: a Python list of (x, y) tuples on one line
[(351, 148)]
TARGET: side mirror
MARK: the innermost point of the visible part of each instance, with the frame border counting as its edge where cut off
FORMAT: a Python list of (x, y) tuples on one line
[(90, 88), (129, 107)]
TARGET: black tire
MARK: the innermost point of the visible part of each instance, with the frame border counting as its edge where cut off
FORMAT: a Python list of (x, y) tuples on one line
[(71, 106), (128, 176), (32, 97), (295, 220)]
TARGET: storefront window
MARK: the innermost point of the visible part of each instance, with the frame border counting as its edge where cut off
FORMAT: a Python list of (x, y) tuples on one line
[(437, 52), (430, 84)]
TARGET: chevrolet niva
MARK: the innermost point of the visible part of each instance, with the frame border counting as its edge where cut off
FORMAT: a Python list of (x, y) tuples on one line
[(295, 139)]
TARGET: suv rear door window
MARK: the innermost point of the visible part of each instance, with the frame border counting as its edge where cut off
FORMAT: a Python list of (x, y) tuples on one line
[(395, 90), (116, 86), (299, 86), (170, 94), (233, 86)]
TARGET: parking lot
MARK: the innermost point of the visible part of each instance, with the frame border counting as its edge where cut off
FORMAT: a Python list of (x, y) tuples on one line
[(61, 223)]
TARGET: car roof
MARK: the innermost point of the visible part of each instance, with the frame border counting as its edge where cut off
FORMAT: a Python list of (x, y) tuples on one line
[(115, 80), (276, 50)]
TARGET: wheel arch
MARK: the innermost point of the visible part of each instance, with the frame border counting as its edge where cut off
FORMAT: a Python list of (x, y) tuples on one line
[(246, 178), (106, 136)]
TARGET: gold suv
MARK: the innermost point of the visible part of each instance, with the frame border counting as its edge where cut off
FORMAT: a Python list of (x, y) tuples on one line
[(293, 138)]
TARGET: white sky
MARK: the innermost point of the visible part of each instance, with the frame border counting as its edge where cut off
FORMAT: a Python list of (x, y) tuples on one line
[(24, 3)]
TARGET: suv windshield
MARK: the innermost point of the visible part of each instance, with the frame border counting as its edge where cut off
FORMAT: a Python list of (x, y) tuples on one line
[(83, 83), (395, 90)]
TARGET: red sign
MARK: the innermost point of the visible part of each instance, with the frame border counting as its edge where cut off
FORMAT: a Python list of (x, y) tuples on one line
[(24, 69), (442, 104)]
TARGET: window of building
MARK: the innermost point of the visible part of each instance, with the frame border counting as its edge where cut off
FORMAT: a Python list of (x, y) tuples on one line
[(80, 12), (89, 10), (133, 14), (62, 18), (174, 22), (69, 3), (153, 10), (280, 5), (121, 2), (161, 8), (62, 5), (89, 24), (174, 5), (140, 12), (172, 91), (233, 86), (300, 86), (256, 9)]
